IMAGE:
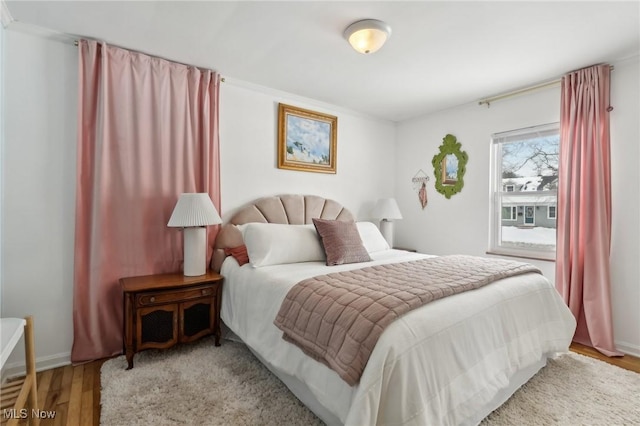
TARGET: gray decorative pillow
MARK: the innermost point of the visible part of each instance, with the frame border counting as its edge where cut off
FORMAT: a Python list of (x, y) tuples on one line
[(341, 241)]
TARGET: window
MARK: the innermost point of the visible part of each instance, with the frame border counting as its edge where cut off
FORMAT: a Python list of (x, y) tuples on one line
[(524, 183), (509, 213)]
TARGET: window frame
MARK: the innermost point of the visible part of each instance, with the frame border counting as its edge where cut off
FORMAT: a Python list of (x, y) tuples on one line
[(498, 190), (555, 212)]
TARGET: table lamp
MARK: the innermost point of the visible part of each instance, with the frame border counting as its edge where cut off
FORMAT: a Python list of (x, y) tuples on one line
[(193, 212), (387, 210)]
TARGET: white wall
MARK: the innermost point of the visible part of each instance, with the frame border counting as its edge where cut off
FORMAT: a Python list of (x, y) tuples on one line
[(39, 163), (2, 129), (461, 224), (625, 194), (248, 152), (40, 78)]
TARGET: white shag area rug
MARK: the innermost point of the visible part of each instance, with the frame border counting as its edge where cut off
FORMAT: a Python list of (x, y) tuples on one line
[(207, 385)]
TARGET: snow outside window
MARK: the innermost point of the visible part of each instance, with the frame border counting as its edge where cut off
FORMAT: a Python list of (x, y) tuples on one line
[(524, 183)]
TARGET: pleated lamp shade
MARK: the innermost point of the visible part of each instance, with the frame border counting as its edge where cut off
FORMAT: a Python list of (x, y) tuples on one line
[(386, 208), (194, 209)]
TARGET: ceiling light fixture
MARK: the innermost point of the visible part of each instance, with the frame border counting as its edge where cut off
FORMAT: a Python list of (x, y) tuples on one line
[(367, 36)]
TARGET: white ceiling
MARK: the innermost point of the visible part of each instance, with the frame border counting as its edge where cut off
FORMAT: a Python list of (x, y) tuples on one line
[(440, 54)]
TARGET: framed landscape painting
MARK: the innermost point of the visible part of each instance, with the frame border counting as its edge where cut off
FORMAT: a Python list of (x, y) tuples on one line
[(307, 140)]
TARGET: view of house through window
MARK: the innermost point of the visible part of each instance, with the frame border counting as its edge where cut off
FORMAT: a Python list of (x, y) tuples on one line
[(524, 187)]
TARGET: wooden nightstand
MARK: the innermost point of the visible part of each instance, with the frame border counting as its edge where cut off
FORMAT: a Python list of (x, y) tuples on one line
[(161, 311)]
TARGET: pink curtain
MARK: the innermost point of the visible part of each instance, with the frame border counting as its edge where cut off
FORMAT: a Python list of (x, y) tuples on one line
[(584, 206), (147, 132)]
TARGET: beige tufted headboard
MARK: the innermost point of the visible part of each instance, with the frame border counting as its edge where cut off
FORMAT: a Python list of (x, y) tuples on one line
[(287, 209)]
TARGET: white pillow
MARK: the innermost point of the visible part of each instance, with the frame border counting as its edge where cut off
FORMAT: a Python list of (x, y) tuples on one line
[(371, 237), (275, 244)]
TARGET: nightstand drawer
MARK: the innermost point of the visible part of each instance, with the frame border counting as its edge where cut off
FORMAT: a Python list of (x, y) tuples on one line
[(162, 297)]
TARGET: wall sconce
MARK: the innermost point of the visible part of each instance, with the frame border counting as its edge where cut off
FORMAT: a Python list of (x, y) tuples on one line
[(367, 36), (387, 210), (193, 212)]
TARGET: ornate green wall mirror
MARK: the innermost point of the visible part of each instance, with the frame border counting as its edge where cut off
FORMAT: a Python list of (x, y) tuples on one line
[(449, 167)]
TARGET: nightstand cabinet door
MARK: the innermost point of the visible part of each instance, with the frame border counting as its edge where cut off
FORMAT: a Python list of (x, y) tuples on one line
[(157, 327), (197, 319)]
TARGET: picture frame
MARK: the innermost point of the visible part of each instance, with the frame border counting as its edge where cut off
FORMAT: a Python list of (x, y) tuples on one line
[(307, 140)]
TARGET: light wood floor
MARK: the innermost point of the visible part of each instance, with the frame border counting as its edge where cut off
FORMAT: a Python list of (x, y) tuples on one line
[(74, 391), (627, 362)]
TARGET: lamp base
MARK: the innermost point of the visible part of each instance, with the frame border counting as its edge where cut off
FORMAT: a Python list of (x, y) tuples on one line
[(386, 229), (195, 253)]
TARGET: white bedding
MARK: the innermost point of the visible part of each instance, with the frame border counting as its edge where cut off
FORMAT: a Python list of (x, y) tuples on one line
[(440, 364)]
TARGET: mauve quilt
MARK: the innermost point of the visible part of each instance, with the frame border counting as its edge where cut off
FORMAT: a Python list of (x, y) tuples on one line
[(337, 318)]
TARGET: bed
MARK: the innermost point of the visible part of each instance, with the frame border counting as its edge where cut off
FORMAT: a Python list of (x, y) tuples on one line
[(450, 362)]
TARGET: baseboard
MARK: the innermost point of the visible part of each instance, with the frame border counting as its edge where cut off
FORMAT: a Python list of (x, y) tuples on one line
[(17, 369), (628, 348)]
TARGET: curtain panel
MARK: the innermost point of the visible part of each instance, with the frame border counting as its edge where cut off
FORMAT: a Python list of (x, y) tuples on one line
[(147, 132), (584, 206)]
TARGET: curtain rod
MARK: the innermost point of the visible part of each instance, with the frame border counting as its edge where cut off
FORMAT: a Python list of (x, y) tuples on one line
[(76, 43), (522, 91)]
